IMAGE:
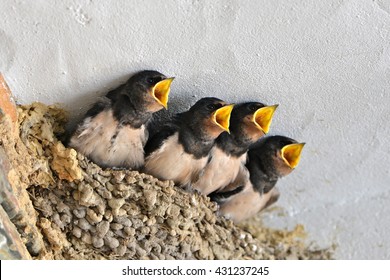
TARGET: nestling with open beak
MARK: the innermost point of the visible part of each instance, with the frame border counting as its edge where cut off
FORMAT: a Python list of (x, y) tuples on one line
[(113, 132), (268, 160), (180, 150), (248, 122)]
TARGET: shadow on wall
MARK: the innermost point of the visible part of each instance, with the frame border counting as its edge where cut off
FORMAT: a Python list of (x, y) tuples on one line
[(80, 104)]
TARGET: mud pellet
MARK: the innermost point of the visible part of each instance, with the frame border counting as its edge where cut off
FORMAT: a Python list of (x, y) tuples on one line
[(139, 251), (97, 242), (92, 217), (116, 226), (86, 238), (102, 228), (124, 221), (79, 212), (129, 231), (111, 242), (76, 231), (65, 219), (108, 216), (121, 250), (83, 224)]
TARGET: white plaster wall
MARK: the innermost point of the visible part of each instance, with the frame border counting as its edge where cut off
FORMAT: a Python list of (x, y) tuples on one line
[(327, 63)]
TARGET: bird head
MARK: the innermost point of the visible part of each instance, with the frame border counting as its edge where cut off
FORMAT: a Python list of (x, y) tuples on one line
[(251, 120), (279, 155), (212, 115), (151, 89)]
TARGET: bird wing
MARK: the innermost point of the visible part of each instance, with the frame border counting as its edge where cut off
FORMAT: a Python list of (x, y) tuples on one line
[(103, 104), (247, 203), (156, 141), (220, 197)]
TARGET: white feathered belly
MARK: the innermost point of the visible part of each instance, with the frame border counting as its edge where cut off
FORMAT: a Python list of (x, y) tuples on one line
[(106, 143), (245, 204), (171, 162), (219, 172)]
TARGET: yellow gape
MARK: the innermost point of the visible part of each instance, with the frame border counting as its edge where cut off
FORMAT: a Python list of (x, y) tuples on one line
[(291, 154), (221, 117), (161, 90), (262, 118)]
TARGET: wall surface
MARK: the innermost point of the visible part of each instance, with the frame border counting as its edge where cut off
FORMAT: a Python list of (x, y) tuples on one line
[(327, 63)]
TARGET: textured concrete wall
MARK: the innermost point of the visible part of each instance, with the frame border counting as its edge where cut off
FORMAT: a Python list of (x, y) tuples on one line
[(327, 63)]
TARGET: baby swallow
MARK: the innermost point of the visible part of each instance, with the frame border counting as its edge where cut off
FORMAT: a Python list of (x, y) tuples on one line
[(113, 132), (248, 122), (268, 160), (180, 150)]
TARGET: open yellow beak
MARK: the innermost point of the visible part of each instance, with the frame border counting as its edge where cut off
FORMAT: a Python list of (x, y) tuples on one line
[(221, 117), (161, 90), (291, 154), (262, 118)]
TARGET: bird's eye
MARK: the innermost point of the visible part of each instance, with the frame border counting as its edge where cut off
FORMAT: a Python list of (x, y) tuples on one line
[(211, 106), (252, 107), (154, 80)]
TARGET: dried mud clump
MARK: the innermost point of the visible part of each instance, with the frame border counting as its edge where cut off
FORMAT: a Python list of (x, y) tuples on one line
[(76, 210)]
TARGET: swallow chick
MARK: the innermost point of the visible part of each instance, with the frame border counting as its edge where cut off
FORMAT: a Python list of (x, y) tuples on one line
[(248, 122), (268, 160), (113, 132), (180, 150)]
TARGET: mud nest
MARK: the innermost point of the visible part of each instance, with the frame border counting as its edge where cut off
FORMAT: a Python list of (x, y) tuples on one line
[(72, 209)]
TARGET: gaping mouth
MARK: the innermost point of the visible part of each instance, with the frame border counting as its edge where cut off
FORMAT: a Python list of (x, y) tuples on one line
[(161, 90), (221, 117), (262, 118), (291, 154)]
